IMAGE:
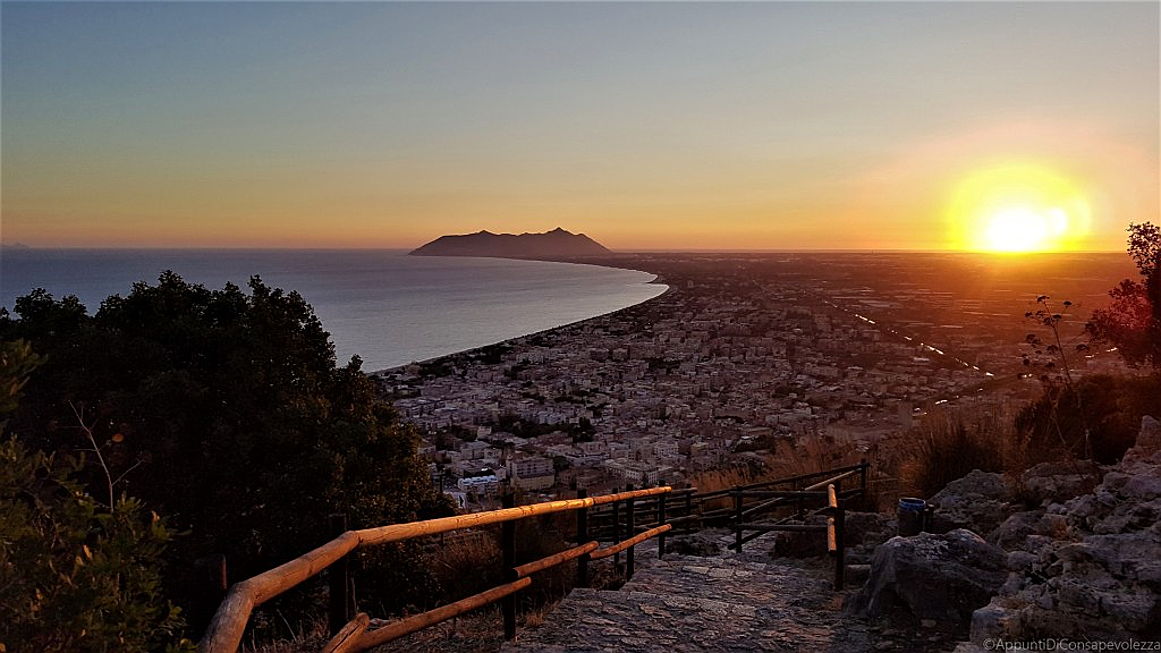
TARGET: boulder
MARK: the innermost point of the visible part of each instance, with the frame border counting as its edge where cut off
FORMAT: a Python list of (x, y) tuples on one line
[(869, 529), (978, 502), (1053, 482), (1147, 449), (943, 577), (1015, 530)]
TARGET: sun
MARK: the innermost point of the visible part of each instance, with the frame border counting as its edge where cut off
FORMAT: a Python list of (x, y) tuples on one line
[(1021, 229), (1017, 209)]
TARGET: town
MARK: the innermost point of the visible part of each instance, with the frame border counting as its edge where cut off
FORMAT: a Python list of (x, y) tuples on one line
[(741, 355)]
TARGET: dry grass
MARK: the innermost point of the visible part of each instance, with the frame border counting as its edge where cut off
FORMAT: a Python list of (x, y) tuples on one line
[(811, 455), (949, 444), (475, 632)]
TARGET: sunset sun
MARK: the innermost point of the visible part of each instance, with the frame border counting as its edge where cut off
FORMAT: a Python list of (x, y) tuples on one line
[(1018, 209), (1024, 229)]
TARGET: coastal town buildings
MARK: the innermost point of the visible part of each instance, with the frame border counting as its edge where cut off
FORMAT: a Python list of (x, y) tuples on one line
[(720, 371)]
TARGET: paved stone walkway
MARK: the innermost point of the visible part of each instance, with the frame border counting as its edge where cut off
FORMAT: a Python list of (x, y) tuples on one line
[(703, 604)]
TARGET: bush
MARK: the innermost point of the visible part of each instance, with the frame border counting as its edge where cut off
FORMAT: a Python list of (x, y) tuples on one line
[(1097, 416), (230, 415), (75, 575), (947, 446)]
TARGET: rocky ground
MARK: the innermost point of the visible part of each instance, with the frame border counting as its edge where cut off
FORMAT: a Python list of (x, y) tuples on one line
[(1069, 550)]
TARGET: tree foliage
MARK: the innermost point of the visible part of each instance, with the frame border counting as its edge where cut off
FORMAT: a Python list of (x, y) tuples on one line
[(1132, 322), (75, 574), (228, 412)]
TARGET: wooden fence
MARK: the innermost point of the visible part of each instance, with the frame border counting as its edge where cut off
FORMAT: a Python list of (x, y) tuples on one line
[(351, 631), (625, 519)]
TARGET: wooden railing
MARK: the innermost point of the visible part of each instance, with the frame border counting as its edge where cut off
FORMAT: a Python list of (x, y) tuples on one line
[(351, 631), (625, 519)]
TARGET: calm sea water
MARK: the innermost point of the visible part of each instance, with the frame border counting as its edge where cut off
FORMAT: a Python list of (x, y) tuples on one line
[(387, 307)]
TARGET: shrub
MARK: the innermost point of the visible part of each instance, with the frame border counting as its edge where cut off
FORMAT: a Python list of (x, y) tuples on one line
[(1104, 410), (75, 575), (232, 417), (946, 446)]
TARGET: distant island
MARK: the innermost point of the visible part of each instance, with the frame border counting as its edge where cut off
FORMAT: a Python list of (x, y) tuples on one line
[(550, 244)]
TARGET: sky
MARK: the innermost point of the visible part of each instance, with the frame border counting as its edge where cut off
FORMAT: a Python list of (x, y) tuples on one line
[(780, 125)]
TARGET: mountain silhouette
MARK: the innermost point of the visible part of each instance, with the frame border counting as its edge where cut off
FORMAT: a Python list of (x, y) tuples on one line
[(550, 244)]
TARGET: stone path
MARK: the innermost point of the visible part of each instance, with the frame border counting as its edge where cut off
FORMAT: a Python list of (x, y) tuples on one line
[(686, 603)]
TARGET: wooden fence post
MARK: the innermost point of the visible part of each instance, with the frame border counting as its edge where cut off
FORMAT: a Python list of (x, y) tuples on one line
[(508, 551), (840, 562), (629, 527), (661, 522), (339, 577), (738, 520), (616, 532), (582, 537), (212, 583)]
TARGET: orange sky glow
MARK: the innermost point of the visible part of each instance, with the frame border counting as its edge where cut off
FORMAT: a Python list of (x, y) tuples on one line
[(682, 127)]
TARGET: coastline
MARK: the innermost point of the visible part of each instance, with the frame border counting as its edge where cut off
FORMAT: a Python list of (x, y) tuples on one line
[(658, 279)]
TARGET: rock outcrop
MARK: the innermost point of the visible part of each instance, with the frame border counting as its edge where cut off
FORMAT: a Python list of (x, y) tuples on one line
[(1058, 481), (942, 577), (978, 502), (1088, 566)]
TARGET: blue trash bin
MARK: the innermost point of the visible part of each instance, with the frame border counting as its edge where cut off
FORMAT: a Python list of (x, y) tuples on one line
[(911, 513)]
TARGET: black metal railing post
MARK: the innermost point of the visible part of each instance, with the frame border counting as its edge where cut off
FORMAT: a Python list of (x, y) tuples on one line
[(582, 537), (631, 531), (341, 607), (661, 522), (508, 552), (738, 520), (689, 512), (863, 486)]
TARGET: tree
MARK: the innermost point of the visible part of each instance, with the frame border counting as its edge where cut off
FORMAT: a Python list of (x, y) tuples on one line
[(76, 574), (1132, 322), (231, 414)]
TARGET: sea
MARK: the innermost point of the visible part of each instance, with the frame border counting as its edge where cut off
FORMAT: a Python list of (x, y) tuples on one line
[(388, 308)]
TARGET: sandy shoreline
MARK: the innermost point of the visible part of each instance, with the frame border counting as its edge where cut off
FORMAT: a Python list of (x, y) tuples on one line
[(658, 279)]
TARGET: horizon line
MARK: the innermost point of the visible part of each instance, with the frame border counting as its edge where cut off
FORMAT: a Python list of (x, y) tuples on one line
[(626, 252)]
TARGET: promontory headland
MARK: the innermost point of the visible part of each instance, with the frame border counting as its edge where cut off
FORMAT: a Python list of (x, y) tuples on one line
[(550, 244)]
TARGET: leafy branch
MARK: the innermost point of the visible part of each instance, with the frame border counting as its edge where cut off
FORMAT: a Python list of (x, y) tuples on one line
[(110, 482)]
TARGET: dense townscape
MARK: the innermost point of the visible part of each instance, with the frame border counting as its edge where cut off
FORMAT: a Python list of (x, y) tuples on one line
[(741, 355)]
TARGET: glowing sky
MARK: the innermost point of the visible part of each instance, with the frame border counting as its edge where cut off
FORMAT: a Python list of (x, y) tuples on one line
[(647, 126)]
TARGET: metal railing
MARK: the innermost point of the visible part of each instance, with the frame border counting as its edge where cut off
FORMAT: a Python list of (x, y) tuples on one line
[(742, 507)]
